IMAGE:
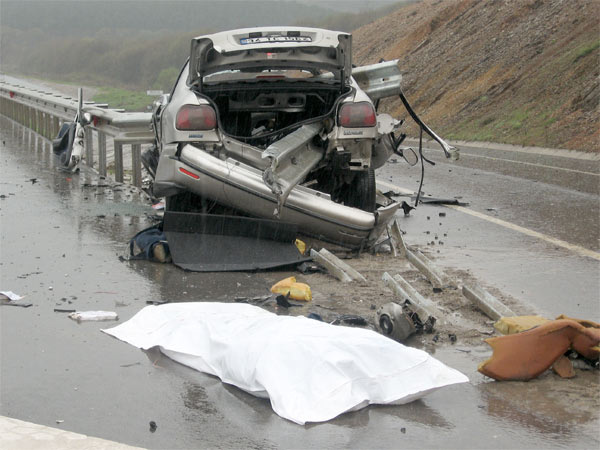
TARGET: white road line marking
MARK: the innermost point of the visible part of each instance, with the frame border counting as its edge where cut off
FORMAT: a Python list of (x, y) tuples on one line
[(530, 164), (554, 152), (574, 248), (560, 243)]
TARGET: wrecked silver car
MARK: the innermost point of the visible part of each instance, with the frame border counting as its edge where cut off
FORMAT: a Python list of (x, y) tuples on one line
[(275, 122)]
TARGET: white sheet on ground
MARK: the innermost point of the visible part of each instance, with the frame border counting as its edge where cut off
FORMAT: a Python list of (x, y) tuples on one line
[(310, 370)]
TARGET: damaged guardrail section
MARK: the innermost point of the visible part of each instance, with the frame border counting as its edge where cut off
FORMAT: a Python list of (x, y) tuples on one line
[(44, 112)]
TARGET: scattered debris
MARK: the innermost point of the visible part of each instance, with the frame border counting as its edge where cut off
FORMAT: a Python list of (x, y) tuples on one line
[(336, 266), (10, 295), (131, 365), (440, 201), (9, 298), (84, 316), (156, 302), (291, 288), (259, 300), (423, 307), (436, 277), (160, 206), (310, 267), (394, 323), (301, 246), (282, 300), (153, 426), (61, 310), (486, 302), (350, 319)]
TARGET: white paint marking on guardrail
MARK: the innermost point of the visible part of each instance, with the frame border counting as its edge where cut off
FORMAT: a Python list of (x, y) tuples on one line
[(582, 251)]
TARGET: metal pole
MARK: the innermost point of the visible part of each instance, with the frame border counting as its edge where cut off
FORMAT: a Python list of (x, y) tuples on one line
[(36, 120), (118, 162), (48, 124), (102, 153), (42, 118), (136, 164), (89, 147), (55, 126)]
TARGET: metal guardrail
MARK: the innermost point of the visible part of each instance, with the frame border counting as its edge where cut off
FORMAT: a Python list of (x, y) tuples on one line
[(44, 112)]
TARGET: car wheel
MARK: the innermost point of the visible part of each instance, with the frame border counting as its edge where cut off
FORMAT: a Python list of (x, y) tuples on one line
[(361, 193)]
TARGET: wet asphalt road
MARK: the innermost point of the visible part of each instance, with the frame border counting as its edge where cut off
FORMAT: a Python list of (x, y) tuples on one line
[(60, 242), (542, 198)]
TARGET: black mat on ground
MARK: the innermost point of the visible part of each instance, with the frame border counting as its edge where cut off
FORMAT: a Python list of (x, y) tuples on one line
[(217, 243)]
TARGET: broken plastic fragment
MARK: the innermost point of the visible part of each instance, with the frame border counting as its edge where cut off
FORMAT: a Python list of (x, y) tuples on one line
[(301, 245), (10, 295), (81, 316)]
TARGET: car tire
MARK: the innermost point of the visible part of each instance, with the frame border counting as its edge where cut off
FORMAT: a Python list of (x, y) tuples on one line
[(362, 191)]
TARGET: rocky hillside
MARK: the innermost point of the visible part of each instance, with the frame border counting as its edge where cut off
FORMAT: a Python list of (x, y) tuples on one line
[(522, 72)]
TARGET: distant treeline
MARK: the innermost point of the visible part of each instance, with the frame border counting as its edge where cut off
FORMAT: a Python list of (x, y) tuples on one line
[(145, 57)]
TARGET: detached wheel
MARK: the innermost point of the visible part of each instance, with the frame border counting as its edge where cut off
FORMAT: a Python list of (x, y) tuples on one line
[(361, 191)]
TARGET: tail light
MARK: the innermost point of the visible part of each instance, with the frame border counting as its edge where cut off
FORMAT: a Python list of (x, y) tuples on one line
[(194, 117), (357, 115)]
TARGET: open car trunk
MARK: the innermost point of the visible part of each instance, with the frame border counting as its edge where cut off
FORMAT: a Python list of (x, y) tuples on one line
[(263, 112)]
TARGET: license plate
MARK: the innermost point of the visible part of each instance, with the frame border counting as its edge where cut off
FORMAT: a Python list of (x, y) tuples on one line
[(274, 39)]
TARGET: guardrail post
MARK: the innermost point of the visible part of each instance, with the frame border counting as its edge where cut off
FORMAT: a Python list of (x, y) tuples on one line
[(55, 126), (36, 115), (118, 162), (48, 125), (102, 153), (89, 147), (43, 124), (136, 163)]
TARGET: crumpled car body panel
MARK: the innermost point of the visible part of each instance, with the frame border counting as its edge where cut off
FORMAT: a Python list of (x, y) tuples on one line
[(250, 79)]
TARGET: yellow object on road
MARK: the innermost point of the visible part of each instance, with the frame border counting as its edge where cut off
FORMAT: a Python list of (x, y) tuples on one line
[(517, 324), (296, 291)]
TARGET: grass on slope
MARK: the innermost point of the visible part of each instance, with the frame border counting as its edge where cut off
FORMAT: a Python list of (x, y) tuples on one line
[(123, 98)]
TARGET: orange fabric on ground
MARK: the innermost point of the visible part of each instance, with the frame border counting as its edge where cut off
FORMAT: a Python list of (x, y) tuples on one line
[(526, 355)]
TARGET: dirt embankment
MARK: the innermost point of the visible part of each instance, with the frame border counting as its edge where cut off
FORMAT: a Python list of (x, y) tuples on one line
[(522, 72)]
